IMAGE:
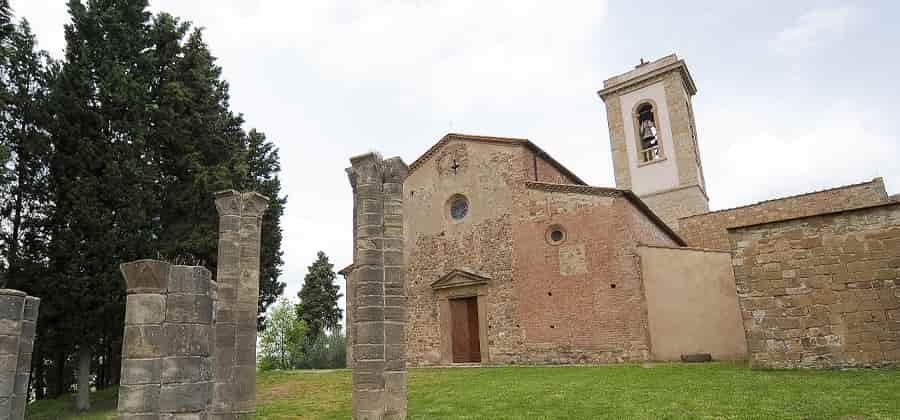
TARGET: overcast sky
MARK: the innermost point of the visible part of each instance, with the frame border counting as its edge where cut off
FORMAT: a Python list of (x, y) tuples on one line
[(793, 96)]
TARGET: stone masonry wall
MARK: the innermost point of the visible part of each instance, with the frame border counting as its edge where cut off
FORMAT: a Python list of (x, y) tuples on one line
[(821, 291), (709, 230), (18, 320), (481, 242), (168, 344), (546, 172), (674, 204)]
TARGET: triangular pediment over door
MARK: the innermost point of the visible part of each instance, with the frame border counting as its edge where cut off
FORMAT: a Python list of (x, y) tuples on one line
[(460, 277)]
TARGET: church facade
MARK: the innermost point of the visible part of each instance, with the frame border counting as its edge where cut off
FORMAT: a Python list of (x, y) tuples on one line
[(511, 258)]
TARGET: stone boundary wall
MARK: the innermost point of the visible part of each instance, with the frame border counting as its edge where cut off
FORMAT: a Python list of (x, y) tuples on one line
[(821, 291), (18, 321), (709, 230), (379, 310), (167, 354)]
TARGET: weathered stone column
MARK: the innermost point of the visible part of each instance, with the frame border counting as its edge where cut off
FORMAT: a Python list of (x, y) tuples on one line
[(26, 346), (167, 358), (379, 310), (240, 221), (18, 315)]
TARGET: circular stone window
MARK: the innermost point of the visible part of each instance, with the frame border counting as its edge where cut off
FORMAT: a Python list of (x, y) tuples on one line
[(556, 235), (459, 207)]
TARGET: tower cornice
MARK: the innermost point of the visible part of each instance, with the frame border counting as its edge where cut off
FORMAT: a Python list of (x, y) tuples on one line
[(648, 71)]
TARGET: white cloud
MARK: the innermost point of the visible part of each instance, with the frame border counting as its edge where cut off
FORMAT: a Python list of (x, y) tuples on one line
[(813, 29), (799, 151)]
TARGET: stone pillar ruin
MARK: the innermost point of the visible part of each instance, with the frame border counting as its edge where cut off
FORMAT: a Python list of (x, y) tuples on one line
[(18, 320), (379, 309), (167, 351), (237, 275)]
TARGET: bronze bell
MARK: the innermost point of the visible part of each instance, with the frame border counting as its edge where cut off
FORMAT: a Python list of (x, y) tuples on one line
[(648, 131)]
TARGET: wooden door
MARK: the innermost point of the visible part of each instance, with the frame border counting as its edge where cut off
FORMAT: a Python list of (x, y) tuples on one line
[(464, 330)]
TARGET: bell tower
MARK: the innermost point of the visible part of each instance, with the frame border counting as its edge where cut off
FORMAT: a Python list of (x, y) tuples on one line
[(654, 138)]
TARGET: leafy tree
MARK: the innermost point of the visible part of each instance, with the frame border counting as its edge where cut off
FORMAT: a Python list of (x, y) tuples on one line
[(327, 351), (319, 296), (281, 343)]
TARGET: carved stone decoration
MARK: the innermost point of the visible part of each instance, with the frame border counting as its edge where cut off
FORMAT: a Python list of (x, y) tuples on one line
[(18, 320), (378, 279), (452, 160), (237, 275)]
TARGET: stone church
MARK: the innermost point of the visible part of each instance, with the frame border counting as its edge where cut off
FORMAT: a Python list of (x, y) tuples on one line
[(512, 258)]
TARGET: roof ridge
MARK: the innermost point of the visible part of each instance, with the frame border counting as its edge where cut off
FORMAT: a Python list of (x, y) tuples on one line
[(492, 139), (787, 197)]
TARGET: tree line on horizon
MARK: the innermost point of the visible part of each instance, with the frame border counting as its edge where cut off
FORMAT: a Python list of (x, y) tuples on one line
[(110, 154)]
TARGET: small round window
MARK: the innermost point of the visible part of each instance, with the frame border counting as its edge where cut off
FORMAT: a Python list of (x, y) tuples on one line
[(556, 235), (459, 207)]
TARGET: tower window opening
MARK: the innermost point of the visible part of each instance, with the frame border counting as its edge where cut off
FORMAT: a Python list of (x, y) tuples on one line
[(647, 131)]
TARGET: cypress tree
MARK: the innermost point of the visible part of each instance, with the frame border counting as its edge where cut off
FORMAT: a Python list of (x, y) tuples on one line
[(263, 167), (101, 180), (318, 306)]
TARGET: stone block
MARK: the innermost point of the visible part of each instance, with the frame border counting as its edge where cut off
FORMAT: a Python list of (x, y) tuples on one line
[(143, 342), (395, 332), (369, 314), (184, 397), (367, 380), (190, 279), (368, 351), (8, 362), (369, 333), (141, 371), (12, 309), (139, 398), (192, 308), (395, 313), (10, 326), (7, 383), (245, 352), (184, 369), (187, 339), (245, 383), (145, 308), (146, 276), (368, 288)]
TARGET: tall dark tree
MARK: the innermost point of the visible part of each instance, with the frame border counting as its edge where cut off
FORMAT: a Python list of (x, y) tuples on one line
[(318, 306), (24, 152), (24, 199), (200, 143), (263, 166), (102, 182), (114, 154)]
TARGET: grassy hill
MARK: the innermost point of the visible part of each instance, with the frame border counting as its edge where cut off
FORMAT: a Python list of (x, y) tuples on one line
[(716, 390)]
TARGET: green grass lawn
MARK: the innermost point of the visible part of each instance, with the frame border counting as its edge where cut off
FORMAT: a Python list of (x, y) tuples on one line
[(712, 391)]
